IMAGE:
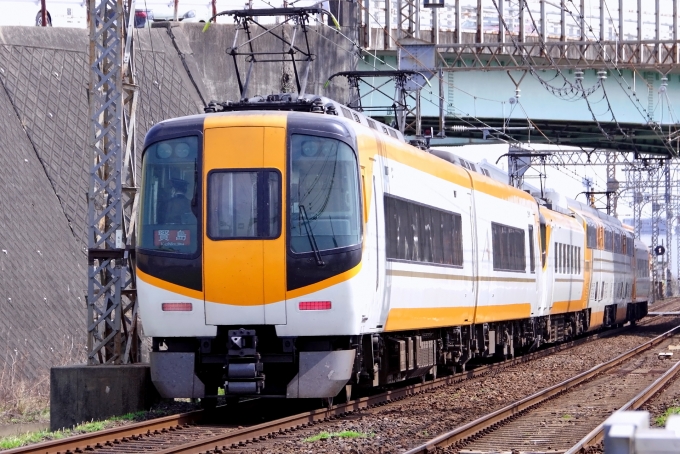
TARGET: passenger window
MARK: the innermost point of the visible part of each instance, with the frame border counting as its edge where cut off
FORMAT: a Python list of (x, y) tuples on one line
[(532, 258), (509, 251), (420, 233)]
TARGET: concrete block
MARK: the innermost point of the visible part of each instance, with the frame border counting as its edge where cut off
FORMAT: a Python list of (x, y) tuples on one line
[(83, 393)]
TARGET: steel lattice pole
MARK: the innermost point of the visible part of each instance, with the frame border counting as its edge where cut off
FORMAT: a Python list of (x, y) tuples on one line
[(669, 220), (656, 217), (112, 314), (612, 184), (638, 200)]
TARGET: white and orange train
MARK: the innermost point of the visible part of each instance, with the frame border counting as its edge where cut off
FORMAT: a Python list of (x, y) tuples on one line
[(295, 248)]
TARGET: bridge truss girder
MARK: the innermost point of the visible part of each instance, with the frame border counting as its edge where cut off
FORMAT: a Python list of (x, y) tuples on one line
[(662, 56), (648, 140)]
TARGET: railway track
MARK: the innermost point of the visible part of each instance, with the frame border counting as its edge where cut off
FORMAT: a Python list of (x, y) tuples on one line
[(186, 434), (115, 435), (555, 419)]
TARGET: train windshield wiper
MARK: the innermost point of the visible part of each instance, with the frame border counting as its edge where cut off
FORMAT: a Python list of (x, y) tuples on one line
[(310, 235)]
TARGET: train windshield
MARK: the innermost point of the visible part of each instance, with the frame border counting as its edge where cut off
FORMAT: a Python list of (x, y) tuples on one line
[(169, 199), (324, 195)]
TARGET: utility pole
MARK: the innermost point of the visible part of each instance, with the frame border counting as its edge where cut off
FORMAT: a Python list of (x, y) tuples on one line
[(43, 13), (111, 297), (669, 220)]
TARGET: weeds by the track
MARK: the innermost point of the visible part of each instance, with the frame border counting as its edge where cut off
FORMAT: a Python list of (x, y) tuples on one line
[(45, 435), (25, 391), (660, 421), (343, 434)]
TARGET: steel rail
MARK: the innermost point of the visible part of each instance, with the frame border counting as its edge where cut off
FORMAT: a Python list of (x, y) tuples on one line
[(84, 441), (488, 421), (265, 430), (597, 434)]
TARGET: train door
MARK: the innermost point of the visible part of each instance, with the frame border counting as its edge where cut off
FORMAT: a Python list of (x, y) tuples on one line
[(380, 301), (535, 264), (547, 280), (244, 241), (380, 304)]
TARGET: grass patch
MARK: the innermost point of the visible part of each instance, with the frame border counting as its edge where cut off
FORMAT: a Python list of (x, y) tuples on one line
[(129, 416), (343, 434), (661, 420), (17, 441), (566, 417)]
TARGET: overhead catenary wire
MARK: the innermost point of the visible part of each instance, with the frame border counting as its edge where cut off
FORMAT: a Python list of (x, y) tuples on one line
[(608, 62), (484, 125), (624, 133), (512, 140)]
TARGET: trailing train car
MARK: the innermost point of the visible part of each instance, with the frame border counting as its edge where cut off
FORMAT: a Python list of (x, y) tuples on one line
[(296, 248)]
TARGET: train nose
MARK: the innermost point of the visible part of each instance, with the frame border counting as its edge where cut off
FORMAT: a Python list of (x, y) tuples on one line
[(244, 246)]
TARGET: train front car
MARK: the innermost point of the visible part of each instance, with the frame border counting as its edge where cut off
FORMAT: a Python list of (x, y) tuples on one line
[(250, 235)]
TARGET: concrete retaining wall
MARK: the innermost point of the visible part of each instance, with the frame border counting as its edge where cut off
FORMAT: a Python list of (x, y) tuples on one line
[(85, 393)]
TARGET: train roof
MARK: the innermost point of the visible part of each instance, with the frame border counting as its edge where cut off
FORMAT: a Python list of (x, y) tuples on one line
[(281, 102), (307, 103)]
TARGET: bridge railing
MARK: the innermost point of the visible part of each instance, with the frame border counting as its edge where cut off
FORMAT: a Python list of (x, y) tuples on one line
[(462, 21)]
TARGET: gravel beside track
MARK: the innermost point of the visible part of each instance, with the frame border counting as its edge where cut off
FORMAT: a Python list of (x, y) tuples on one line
[(561, 422), (399, 426), (403, 424)]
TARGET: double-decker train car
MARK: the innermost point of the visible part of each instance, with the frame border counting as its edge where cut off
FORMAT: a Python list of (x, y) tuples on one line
[(296, 248)]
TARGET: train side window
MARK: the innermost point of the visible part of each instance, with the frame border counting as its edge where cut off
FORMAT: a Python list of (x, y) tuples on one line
[(561, 248), (591, 235), (624, 244), (570, 262), (600, 237), (608, 240), (557, 258), (544, 244), (421, 233), (558, 246), (509, 251), (562, 259), (617, 242), (532, 258), (567, 250), (597, 285)]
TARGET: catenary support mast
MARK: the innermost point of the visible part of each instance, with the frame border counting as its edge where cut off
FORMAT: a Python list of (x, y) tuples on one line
[(111, 301)]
